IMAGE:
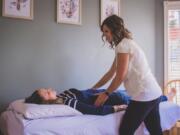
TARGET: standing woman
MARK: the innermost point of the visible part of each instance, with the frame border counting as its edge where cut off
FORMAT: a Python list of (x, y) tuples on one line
[(130, 67)]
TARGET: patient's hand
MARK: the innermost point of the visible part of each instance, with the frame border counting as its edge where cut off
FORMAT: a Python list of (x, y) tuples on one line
[(101, 99)]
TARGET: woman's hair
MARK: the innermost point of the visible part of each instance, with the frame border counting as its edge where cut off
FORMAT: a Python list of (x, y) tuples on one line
[(116, 25), (35, 98)]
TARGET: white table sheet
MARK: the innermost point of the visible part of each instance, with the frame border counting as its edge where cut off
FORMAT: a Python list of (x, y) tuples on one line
[(14, 124)]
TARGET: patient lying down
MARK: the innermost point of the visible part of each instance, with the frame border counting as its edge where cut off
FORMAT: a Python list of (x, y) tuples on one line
[(83, 101)]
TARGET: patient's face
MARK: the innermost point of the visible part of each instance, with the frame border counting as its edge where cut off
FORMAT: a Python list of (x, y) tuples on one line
[(47, 93)]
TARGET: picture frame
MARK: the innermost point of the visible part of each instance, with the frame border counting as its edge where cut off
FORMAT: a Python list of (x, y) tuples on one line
[(69, 11), (109, 7), (21, 9)]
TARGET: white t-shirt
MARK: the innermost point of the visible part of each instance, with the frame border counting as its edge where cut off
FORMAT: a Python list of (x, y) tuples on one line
[(139, 82)]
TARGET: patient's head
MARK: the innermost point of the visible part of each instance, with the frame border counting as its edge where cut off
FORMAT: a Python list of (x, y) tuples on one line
[(42, 96)]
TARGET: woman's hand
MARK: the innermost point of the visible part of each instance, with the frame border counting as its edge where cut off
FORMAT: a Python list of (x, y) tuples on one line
[(101, 99)]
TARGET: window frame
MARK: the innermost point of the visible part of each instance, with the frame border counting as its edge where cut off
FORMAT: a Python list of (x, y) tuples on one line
[(168, 5)]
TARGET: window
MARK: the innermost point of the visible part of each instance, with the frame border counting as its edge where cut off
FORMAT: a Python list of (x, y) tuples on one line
[(172, 42)]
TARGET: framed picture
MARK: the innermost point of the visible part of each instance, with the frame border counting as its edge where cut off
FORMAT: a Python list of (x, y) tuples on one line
[(109, 7), (69, 11), (22, 9)]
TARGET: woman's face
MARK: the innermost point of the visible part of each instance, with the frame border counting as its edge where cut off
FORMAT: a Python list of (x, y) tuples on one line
[(47, 93), (107, 33)]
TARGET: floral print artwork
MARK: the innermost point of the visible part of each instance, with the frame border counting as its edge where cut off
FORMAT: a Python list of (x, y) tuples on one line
[(69, 11), (18, 9), (18, 4), (109, 7), (109, 10), (68, 7)]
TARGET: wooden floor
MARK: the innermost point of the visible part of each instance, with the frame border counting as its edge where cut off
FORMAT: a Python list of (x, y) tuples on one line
[(174, 131)]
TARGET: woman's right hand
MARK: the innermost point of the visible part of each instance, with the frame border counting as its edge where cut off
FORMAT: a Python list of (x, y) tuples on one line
[(101, 99)]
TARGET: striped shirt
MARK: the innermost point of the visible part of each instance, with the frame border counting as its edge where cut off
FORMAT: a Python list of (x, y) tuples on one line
[(68, 98)]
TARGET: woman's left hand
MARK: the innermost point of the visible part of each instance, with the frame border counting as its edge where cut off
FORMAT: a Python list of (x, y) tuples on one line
[(101, 99)]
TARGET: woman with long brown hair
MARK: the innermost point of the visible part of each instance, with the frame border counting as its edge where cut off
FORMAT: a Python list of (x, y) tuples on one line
[(130, 66)]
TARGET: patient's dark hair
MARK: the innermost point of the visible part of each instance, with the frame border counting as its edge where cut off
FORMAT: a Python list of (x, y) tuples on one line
[(35, 98)]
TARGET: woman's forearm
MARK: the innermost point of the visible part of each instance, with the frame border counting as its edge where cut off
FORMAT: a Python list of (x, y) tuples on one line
[(114, 84), (121, 71)]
